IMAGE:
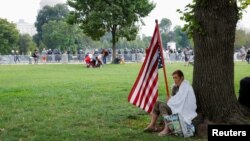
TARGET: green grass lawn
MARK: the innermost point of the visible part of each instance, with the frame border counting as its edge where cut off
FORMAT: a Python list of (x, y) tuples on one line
[(73, 103)]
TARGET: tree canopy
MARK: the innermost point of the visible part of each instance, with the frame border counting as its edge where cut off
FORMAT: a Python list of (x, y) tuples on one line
[(181, 38), (165, 25), (26, 44), (62, 36), (118, 17), (46, 14), (8, 36), (242, 38)]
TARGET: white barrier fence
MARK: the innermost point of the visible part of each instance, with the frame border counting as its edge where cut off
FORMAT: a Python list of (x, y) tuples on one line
[(79, 58)]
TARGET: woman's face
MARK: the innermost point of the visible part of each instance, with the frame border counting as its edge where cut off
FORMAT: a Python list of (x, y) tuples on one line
[(177, 79)]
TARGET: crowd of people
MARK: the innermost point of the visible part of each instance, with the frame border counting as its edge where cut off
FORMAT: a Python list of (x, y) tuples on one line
[(171, 56)]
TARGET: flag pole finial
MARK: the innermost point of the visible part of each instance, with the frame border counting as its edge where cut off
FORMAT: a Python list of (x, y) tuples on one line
[(156, 21)]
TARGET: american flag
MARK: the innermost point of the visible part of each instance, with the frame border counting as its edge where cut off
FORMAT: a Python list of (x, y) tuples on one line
[(144, 92), (160, 65)]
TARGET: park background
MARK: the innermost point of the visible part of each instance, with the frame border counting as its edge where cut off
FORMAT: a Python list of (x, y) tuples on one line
[(72, 102)]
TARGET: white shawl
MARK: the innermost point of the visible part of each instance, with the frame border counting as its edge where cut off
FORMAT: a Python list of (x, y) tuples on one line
[(184, 102)]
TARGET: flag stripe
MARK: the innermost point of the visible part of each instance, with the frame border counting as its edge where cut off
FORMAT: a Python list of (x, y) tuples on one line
[(141, 75), (148, 74), (154, 99), (149, 83), (152, 90), (144, 92), (144, 77)]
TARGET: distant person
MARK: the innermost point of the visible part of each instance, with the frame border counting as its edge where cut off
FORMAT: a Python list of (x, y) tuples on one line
[(44, 56), (80, 55), (35, 55), (30, 57), (248, 56), (167, 56), (105, 54), (191, 57), (49, 55), (13, 55), (183, 102), (125, 51), (243, 53), (98, 62), (191, 60), (16, 56), (179, 54), (172, 56), (186, 56), (90, 60), (57, 54)]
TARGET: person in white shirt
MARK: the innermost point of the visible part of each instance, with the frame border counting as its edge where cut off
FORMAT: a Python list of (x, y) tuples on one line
[(243, 53)]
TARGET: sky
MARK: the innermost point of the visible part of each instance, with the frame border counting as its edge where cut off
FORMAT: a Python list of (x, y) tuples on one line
[(13, 10)]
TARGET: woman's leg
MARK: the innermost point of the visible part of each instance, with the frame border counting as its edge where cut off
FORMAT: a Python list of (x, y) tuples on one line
[(152, 124), (165, 110), (154, 116), (166, 129)]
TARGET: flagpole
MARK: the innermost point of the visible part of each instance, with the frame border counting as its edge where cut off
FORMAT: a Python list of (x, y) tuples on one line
[(162, 58)]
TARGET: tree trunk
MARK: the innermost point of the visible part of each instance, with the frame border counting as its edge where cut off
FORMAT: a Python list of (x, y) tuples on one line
[(213, 79), (113, 43)]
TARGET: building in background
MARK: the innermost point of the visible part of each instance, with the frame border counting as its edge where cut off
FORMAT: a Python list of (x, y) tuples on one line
[(26, 28), (171, 45)]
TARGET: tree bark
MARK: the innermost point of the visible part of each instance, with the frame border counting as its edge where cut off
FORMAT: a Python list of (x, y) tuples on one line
[(213, 73)]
